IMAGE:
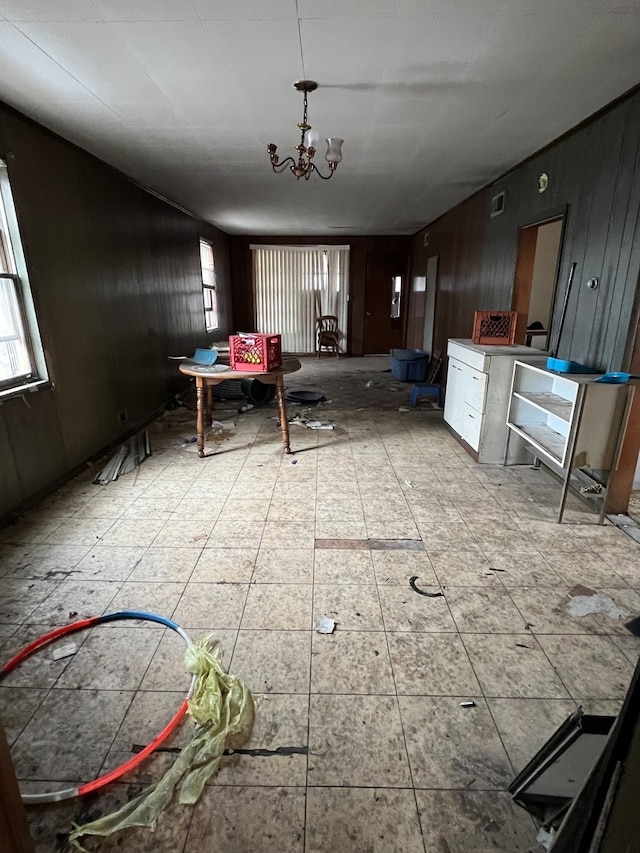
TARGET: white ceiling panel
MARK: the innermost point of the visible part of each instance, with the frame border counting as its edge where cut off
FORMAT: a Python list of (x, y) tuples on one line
[(146, 10), (49, 10), (434, 98), (246, 10)]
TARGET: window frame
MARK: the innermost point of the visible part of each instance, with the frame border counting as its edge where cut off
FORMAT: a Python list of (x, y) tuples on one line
[(210, 289), (13, 274)]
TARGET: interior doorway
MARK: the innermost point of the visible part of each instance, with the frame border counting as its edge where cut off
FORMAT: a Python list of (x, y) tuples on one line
[(535, 280), (431, 285), (384, 302)]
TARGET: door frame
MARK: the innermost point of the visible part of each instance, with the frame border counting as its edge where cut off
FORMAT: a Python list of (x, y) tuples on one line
[(523, 274)]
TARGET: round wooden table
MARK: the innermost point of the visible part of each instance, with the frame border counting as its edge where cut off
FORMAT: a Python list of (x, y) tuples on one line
[(207, 376)]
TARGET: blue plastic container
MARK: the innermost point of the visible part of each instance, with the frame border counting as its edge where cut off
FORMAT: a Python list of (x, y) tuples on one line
[(559, 365), (409, 365)]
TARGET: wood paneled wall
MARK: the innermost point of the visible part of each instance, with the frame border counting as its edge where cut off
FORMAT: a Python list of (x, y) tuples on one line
[(594, 174), (360, 249), (115, 274)]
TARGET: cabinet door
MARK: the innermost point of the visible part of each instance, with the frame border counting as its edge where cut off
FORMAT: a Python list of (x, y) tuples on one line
[(475, 388), (454, 395)]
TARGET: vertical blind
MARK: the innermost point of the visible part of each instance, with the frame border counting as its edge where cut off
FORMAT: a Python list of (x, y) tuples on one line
[(293, 285)]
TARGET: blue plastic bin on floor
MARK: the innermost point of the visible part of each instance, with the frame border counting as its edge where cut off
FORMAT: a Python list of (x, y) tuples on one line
[(409, 365)]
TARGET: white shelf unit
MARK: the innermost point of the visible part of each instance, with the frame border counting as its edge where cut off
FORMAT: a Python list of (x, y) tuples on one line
[(477, 397), (569, 421)]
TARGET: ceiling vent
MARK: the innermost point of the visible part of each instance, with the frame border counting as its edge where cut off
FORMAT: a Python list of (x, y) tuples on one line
[(497, 205)]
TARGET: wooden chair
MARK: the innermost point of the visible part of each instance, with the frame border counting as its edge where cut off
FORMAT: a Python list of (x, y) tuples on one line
[(328, 335)]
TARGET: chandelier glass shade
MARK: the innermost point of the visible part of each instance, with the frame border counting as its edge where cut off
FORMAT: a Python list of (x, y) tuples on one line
[(303, 166)]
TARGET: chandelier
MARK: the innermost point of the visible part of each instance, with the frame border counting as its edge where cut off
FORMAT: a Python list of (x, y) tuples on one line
[(303, 166)]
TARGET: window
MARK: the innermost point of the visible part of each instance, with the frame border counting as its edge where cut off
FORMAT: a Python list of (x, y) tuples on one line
[(22, 365), (396, 295), (209, 286)]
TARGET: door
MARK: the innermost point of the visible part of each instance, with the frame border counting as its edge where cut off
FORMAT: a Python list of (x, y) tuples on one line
[(384, 301)]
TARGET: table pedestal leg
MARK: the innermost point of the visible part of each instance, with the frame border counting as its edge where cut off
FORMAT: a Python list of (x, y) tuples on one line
[(201, 394), (284, 423), (208, 409)]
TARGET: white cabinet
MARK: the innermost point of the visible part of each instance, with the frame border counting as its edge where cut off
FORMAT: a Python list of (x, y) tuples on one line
[(571, 422), (477, 397)]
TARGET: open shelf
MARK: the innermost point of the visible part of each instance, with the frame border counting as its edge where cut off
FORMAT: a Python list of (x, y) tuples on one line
[(544, 439), (547, 401)]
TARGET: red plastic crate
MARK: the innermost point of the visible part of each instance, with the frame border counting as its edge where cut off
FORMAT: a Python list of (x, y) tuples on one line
[(494, 328), (255, 353)]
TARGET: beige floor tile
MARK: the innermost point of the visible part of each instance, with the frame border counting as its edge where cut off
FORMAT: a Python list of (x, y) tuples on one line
[(525, 725), (286, 509), (546, 611), (288, 534), (351, 662), (629, 646), (513, 666), (146, 717), (275, 607), (144, 508), (592, 667), (463, 568), (167, 670), (166, 564), (627, 601), (340, 566), (211, 605), (397, 529), (583, 568), (273, 661), (356, 740), (39, 670), (405, 610), (70, 734), (233, 819), (284, 565), (522, 567), (49, 562), (336, 508), (31, 530), (601, 707), (427, 513), (80, 598), (225, 565), (281, 723), (245, 509), (80, 531), (113, 657), (110, 563), (17, 707), (483, 610), (199, 507), (354, 608), (396, 567), (235, 533), (340, 530), (461, 821), (129, 531), (184, 533), (362, 820), (453, 747), (159, 598), (431, 664)]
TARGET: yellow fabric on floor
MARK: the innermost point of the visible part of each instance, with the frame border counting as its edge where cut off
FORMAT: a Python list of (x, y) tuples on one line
[(223, 709)]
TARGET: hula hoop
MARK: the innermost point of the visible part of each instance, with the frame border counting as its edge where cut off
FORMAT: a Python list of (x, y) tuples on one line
[(105, 779)]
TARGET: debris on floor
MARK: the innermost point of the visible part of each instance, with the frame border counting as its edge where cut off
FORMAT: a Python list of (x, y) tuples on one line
[(584, 601), (326, 625), (301, 397), (404, 409), (298, 420), (222, 708), (64, 651), (127, 458), (467, 704), (412, 584)]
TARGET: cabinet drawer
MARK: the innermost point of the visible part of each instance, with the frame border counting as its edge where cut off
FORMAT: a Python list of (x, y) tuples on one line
[(471, 355), (471, 426), (475, 391)]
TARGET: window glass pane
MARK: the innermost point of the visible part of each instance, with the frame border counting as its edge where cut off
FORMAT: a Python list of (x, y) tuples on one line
[(396, 294), (14, 355)]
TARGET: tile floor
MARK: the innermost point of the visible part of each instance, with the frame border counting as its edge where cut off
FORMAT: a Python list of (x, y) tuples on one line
[(254, 546)]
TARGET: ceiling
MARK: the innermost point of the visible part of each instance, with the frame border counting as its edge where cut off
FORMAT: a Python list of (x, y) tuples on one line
[(434, 98)]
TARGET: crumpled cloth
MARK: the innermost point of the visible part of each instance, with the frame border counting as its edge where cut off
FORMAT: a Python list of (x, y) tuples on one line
[(223, 709)]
